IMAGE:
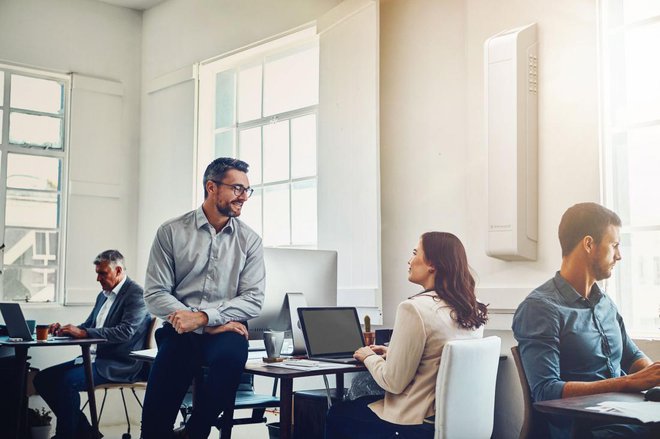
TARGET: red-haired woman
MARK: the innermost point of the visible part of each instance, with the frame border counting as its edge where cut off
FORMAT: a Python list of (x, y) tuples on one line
[(446, 309)]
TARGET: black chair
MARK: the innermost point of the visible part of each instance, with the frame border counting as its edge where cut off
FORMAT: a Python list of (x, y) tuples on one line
[(246, 398), (534, 426)]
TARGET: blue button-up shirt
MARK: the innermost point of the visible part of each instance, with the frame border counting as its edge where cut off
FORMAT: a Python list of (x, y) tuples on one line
[(193, 267), (564, 337)]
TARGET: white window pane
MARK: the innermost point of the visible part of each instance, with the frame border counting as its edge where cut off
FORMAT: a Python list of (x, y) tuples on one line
[(1, 124), (33, 284), (303, 146), (639, 272), (291, 81), (249, 142), (636, 171), (225, 86), (276, 215), (276, 152), (36, 94), (31, 247), (224, 144), (33, 172), (303, 212), (2, 88), (32, 209), (35, 130), (249, 93), (642, 73), (639, 9), (251, 213)]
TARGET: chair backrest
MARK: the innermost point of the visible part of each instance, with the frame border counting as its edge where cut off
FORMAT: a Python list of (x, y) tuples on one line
[(149, 343), (465, 389), (533, 427)]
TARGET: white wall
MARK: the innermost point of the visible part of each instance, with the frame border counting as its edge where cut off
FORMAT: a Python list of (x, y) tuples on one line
[(432, 128), (177, 34)]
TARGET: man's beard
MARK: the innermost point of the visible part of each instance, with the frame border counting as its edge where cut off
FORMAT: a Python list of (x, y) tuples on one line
[(601, 272), (226, 211)]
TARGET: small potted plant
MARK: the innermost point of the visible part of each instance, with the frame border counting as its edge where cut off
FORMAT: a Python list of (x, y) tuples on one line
[(369, 335), (39, 422)]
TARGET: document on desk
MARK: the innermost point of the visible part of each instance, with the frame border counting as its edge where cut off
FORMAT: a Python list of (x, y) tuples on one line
[(645, 411), (303, 365)]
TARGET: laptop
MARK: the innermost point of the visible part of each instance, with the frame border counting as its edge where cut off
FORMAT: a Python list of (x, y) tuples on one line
[(17, 327), (331, 333)]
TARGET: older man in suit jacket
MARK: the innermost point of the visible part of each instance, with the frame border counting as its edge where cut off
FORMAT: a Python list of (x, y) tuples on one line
[(121, 317)]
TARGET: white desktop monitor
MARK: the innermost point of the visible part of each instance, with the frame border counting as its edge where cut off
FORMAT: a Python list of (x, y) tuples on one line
[(311, 272)]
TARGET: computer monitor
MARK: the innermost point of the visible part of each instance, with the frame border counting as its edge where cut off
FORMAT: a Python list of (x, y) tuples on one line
[(311, 272)]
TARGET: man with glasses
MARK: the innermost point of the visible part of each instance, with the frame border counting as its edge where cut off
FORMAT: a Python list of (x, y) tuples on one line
[(205, 278), (571, 338)]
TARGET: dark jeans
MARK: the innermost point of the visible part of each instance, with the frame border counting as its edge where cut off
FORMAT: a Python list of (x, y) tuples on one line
[(354, 419), (59, 386), (180, 357)]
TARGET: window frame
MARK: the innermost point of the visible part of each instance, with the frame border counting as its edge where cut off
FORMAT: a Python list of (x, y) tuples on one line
[(295, 41), (62, 154), (611, 127)]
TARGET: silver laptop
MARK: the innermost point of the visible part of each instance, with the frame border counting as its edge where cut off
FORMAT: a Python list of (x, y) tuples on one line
[(17, 327), (331, 333)]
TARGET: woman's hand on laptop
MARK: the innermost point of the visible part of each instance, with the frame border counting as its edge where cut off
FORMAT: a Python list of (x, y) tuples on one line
[(363, 353), (379, 350)]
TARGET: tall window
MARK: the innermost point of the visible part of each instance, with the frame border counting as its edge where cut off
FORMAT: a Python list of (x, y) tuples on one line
[(32, 165), (630, 43), (260, 105)]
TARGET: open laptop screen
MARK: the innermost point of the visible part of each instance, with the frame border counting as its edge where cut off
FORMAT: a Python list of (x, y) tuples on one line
[(16, 325), (331, 331)]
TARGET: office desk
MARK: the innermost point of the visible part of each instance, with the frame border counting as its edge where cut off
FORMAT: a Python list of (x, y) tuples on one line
[(576, 407), (286, 377), (21, 349)]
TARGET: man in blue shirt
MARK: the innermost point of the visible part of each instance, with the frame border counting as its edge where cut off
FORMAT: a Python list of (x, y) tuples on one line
[(571, 338), (206, 278)]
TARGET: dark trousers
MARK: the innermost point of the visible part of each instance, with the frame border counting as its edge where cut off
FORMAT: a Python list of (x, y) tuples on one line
[(355, 420), (180, 357), (59, 386)]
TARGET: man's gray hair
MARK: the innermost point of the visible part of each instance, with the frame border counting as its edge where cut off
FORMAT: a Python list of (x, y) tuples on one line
[(113, 257)]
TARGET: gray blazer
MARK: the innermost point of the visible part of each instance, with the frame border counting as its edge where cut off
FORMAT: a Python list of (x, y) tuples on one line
[(126, 328)]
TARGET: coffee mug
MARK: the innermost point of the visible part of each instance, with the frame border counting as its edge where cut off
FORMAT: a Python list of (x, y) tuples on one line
[(42, 332), (273, 341)]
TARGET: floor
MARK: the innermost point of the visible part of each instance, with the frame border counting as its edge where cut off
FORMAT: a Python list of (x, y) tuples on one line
[(254, 431)]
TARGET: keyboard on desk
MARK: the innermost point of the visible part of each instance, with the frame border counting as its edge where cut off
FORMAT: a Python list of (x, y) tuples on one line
[(342, 360)]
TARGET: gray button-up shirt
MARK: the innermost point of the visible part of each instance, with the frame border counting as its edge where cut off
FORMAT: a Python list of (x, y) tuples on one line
[(193, 267)]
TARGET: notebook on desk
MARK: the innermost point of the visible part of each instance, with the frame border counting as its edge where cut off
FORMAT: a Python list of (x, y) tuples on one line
[(331, 333)]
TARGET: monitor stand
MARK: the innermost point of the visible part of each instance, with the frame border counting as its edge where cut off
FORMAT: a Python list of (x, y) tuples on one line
[(288, 319)]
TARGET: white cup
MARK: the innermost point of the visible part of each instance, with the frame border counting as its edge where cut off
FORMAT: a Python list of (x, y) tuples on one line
[(273, 341)]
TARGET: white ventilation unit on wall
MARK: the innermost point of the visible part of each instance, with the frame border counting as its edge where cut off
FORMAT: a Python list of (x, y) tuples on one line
[(511, 85)]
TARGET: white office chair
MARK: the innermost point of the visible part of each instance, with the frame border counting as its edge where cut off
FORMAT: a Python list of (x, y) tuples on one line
[(465, 389)]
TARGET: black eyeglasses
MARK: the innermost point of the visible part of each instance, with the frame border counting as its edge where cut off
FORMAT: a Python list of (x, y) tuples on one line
[(239, 189)]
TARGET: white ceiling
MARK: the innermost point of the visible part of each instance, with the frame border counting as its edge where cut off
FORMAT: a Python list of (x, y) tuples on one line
[(141, 5)]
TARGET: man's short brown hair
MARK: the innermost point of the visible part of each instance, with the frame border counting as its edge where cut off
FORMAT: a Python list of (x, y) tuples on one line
[(584, 219)]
